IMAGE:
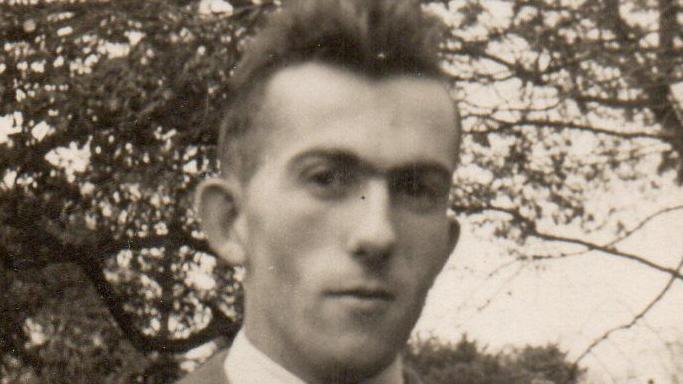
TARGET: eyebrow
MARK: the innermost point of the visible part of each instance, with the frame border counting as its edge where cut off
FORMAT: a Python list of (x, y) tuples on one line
[(348, 158)]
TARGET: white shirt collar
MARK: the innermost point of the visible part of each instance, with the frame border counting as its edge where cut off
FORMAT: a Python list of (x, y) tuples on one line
[(245, 364)]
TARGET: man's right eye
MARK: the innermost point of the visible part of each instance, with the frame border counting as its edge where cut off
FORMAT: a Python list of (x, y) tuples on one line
[(329, 181)]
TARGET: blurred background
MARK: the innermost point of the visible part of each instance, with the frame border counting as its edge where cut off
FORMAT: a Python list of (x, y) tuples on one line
[(569, 191)]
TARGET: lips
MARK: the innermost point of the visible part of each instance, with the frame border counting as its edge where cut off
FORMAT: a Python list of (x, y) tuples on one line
[(363, 293), (364, 300)]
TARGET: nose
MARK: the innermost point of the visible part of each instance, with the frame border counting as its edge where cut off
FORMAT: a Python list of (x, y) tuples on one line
[(373, 236)]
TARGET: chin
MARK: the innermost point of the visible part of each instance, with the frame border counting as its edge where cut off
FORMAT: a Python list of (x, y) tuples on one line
[(362, 358), (357, 368)]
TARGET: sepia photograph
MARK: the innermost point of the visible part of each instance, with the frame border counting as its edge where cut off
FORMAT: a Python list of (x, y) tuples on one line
[(341, 191)]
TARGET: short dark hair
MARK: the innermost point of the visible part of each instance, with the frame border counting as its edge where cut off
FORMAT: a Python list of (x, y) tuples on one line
[(375, 38)]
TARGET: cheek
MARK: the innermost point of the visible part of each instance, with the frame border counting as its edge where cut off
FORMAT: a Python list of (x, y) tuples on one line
[(426, 245), (289, 238)]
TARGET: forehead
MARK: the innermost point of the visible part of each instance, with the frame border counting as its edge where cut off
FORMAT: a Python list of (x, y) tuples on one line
[(394, 119)]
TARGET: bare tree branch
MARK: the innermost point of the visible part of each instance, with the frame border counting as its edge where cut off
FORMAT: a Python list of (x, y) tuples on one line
[(529, 227), (219, 325), (87, 257), (504, 125), (642, 223), (635, 319), (675, 273)]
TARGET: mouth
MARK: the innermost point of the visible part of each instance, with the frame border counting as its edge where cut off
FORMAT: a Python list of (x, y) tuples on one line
[(364, 300), (363, 294)]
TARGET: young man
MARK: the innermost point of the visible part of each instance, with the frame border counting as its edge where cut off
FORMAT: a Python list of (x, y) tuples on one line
[(336, 161)]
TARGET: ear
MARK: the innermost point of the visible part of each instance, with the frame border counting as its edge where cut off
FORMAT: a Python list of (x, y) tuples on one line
[(218, 204), (453, 232), (452, 240)]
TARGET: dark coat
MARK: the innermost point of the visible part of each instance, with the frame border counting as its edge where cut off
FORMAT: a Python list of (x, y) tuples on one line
[(211, 372)]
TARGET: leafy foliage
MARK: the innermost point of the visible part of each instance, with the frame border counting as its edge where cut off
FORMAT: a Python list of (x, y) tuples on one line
[(439, 362), (113, 107), (560, 102)]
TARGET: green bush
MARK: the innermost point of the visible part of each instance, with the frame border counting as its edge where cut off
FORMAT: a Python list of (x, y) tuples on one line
[(441, 362)]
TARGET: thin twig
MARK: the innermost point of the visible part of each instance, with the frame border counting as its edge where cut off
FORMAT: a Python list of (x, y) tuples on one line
[(640, 225), (676, 274), (531, 230), (624, 236), (635, 319)]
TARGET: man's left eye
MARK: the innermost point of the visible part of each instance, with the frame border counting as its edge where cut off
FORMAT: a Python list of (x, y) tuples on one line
[(414, 188), (419, 192)]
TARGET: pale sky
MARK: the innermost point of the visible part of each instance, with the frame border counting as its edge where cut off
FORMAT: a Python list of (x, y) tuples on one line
[(570, 302)]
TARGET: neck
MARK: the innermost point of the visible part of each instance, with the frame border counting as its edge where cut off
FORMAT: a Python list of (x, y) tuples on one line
[(288, 357), (278, 350)]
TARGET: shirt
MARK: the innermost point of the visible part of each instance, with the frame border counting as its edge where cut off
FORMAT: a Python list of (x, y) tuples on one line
[(245, 364)]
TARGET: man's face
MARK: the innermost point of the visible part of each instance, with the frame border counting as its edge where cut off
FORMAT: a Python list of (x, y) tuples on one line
[(344, 222)]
